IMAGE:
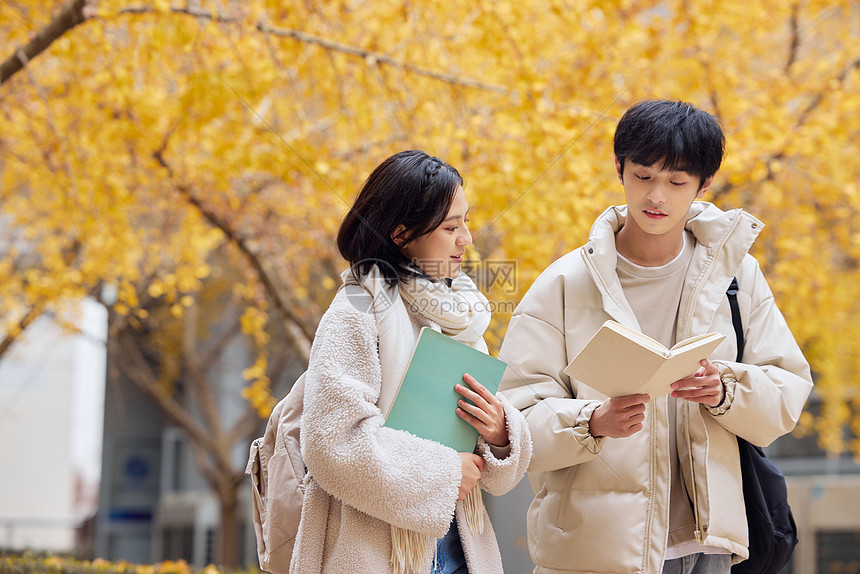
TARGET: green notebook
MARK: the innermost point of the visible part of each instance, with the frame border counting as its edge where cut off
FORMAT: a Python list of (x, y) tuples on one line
[(426, 403)]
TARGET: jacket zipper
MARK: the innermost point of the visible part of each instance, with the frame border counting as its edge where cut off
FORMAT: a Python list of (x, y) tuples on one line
[(650, 517), (698, 531), (689, 321)]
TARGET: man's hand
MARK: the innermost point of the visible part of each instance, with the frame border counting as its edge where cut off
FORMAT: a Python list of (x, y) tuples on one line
[(619, 417), (703, 387)]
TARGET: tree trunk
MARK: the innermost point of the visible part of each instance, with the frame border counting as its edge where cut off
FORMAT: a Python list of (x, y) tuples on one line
[(227, 553)]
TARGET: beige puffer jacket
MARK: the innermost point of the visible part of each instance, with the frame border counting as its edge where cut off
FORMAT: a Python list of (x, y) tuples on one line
[(601, 505)]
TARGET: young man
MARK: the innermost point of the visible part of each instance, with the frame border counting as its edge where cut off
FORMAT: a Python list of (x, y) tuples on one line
[(642, 484)]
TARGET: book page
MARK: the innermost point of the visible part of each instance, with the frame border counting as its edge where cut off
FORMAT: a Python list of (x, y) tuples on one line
[(615, 364), (637, 336), (620, 361), (683, 363), (694, 339)]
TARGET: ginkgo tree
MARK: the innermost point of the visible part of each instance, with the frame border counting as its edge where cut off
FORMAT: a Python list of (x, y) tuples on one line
[(150, 149)]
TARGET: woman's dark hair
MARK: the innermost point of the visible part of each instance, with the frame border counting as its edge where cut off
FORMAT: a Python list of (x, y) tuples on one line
[(681, 136), (410, 188)]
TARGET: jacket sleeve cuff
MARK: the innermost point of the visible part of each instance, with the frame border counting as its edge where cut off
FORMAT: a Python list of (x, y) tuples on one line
[(729, 382), (581, 430)]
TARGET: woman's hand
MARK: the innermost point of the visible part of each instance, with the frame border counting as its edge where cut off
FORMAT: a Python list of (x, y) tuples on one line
[(485, 412), (473, 465)]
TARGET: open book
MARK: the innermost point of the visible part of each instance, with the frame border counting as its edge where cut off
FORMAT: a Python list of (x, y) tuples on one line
[(620, 361), (426, 403)]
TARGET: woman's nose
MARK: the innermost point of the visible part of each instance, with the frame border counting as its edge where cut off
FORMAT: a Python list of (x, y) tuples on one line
[(465, 238)]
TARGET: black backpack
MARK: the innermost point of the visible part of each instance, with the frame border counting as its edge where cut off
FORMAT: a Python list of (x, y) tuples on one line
[(772, 531)]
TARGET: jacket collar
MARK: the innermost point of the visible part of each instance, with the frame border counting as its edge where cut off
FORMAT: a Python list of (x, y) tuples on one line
[(723, 238)]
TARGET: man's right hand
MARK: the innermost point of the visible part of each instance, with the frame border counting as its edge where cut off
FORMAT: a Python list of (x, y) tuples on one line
[(618, 417)]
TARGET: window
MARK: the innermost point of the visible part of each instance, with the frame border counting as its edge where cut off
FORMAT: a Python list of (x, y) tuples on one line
[(178, 543), (838, 552)]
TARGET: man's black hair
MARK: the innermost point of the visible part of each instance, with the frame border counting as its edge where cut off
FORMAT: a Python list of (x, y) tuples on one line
[(675, 135)]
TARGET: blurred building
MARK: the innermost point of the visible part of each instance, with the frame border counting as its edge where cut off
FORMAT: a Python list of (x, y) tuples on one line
[(51, 400), (824, 495), (154, 503)]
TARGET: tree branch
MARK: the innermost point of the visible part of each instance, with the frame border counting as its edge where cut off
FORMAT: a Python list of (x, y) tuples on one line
[(200, 382), (217, 349), (70, 16), (379, 58), (140, 373), (369, 56), (819, 97), (794, 46), (305, 332), (243, 428), (32, 314)]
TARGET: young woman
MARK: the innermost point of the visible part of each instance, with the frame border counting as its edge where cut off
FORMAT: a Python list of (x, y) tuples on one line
[(378, 499)]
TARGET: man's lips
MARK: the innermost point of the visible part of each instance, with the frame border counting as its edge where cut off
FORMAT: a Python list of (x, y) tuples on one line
[(654, 214)]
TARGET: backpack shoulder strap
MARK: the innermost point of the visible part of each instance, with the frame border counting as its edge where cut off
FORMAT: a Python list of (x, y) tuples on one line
[(770, 523), (732, 294)]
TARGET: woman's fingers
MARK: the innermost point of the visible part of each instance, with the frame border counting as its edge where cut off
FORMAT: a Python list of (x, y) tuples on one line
[(478, 394), (485, 412), (477, 386)]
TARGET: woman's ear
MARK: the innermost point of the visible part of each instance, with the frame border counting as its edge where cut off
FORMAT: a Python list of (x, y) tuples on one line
[(397, 235)]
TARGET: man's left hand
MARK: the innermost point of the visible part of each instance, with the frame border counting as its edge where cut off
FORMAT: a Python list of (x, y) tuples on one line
[(703, 387)]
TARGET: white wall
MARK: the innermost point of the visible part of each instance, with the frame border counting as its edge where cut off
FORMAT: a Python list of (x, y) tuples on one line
[(51, 413)]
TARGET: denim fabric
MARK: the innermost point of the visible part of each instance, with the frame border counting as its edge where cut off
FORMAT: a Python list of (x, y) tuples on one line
[(699, 564), (449, 553)]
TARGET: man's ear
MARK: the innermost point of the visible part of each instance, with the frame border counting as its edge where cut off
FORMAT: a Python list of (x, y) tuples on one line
[(706, 185), (397, 235), (618, 167)]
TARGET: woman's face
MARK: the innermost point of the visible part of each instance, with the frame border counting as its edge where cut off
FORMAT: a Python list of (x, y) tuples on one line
[(440, 253)]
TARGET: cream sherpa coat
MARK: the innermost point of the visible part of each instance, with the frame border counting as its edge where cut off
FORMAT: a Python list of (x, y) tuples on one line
[(363, 477)]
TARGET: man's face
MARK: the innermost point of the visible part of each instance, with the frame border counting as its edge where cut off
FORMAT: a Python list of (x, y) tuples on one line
[(658, 200)]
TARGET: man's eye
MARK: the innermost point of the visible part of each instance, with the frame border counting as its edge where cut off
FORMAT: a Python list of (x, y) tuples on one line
[(643, 177), (678, 183)]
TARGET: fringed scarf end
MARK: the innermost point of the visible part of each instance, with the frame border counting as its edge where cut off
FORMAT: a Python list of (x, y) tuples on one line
[(473, 510), (408, 550)]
